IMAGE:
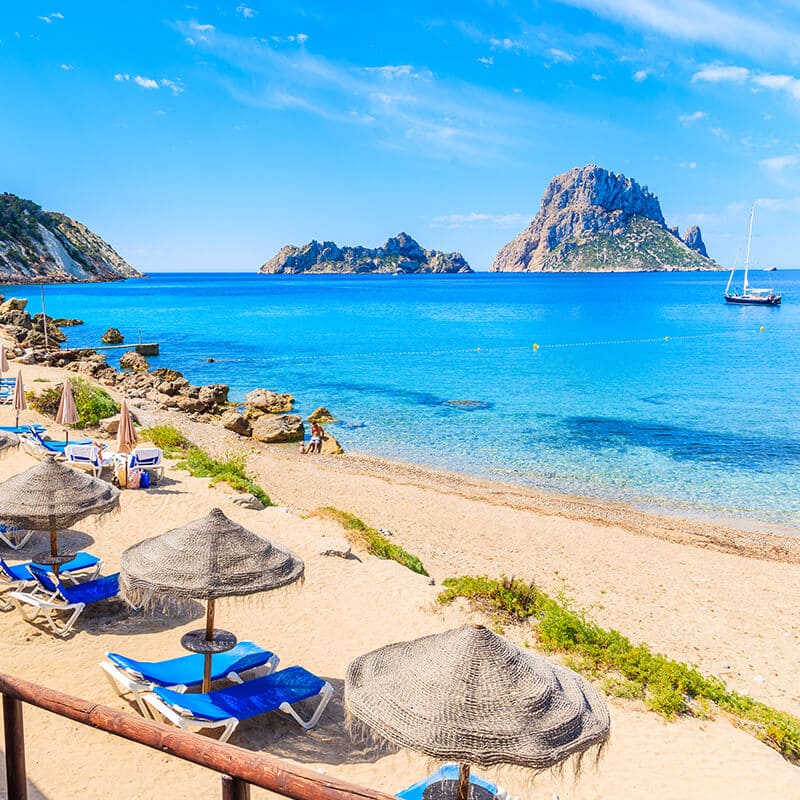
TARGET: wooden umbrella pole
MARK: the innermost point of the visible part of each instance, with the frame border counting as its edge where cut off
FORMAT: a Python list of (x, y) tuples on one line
[(209, 637), (53, 543), (463, 782)]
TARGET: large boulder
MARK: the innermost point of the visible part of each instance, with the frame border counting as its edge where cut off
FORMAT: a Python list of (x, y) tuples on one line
[(133, 360), (13, 304), (235, 422), (167, 374), (54, 333), (264, 401), (112, 336), (283, 428), (20, 319), (191, 405), (320, 414), (214, 394), (331, 446)]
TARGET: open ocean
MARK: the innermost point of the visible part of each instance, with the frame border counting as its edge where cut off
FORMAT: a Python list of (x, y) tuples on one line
[(704, 422)]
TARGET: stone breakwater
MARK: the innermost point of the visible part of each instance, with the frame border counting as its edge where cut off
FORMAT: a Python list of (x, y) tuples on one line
[(264, 416)]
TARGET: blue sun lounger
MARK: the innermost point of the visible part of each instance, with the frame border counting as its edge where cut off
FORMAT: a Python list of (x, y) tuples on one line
[(449, 772), (36, 438), (17, 577), (22, 428), (129, 675), (226, 708), (51, 598)]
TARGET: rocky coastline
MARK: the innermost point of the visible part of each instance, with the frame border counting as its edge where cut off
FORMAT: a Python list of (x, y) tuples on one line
[(264, 416)]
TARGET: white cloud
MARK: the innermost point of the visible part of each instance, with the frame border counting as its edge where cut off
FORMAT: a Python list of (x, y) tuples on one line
[(765, 30), (517, 90), (246, 11), (57, 15), (596, 76), (487, 60), (505, 43), (480, 220), (720, 133), (67, 67), (50, 17), (717, 73), (641, 75), (176, 87), (688, 164), (695, 116), (397, 105), (159, 113), (145, 83), (391, 72), (561, 55), (300, 38), (45, 19), (780, 163), (196, 26), (122, 76), (721, 73)]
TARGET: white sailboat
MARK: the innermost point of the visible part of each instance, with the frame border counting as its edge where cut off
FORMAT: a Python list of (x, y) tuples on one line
[(749, 295)]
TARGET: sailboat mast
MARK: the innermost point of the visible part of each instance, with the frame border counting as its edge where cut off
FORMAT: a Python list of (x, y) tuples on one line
[(749, 239)]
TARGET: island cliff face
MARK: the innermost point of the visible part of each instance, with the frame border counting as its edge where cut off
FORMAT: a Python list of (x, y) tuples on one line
[(593, 220), (43, 246), (400, 254)]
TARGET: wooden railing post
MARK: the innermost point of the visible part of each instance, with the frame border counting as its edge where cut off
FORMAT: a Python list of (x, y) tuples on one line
[(16, 780), (234, 789)]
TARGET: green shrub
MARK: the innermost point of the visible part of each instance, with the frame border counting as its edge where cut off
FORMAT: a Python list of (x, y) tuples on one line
[(232, 471), (91, 402), (168, 438), (371, 539), (626, 670)]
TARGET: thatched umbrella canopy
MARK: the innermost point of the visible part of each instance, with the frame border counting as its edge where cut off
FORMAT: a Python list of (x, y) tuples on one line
[(51, 496), (207, 559), (7, 441), (471, 696)]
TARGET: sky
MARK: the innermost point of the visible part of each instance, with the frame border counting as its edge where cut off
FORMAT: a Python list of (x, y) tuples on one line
[(206, 136)]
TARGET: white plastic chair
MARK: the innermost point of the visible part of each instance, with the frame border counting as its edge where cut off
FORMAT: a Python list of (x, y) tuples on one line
[(86, 456), (148, 459)]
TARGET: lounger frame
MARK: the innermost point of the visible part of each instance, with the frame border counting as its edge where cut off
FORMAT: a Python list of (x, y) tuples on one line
[(184, 719), (124, 680)]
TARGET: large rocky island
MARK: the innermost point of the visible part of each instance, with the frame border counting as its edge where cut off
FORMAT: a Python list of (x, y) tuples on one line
[(593, 220), (43, 246), (401, 253)]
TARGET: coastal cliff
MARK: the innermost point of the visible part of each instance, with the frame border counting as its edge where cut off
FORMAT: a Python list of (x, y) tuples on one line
[(44, 246), (594, 220), (401, 253)]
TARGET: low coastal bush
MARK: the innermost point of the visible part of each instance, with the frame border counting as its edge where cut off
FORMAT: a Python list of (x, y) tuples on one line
[(200, 464), (625, 670), (169, 439), (371, 539), (91, 402)]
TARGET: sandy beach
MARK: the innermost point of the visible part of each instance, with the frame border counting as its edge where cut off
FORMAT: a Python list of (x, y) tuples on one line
[(716, 596)]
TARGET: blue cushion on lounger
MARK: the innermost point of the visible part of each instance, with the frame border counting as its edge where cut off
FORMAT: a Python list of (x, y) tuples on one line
[(249, 699), (188, 670), (20, 572)]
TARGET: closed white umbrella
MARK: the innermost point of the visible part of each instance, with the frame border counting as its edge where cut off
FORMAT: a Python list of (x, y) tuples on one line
[(19, 396), (67, 412)]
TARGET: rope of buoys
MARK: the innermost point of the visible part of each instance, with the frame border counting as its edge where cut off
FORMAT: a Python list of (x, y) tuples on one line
[(536, 346)]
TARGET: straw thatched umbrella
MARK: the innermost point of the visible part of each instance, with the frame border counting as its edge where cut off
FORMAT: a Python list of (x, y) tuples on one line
[(207, 559), (19, 396), (51, 496), (7, 441), (126, 434), (471, 696), (67, 412)]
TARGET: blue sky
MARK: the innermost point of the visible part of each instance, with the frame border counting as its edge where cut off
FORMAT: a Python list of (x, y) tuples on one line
[(208, 135)]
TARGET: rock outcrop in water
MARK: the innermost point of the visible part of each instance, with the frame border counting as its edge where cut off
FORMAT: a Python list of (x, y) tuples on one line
[(38, 245), (593, 220), (401, 253)]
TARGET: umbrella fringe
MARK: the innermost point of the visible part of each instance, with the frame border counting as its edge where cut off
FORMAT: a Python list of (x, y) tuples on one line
[(153, 600)]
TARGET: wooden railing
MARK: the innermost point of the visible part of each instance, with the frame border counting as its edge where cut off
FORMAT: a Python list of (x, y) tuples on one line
[(240, 768)]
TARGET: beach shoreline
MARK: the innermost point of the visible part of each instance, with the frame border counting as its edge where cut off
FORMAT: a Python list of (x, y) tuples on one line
[(725, 607)]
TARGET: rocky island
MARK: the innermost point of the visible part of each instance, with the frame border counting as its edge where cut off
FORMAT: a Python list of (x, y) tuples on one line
[(44, 246), (400, 254), (594, 220)]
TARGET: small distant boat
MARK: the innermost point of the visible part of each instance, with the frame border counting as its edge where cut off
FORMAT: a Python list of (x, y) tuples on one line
[(749, 295), (770, 269)]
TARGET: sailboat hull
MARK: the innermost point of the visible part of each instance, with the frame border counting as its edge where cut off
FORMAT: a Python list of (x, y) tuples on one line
[(753, 301)]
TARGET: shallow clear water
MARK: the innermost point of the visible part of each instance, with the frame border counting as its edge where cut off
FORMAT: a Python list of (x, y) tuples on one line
[(606, 406)]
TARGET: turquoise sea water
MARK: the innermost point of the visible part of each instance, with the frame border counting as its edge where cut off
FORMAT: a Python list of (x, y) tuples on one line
[(706, 421)]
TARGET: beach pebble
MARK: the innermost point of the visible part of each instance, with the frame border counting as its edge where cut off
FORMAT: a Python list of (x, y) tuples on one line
[(759, 679), (248, 501), (334, 546)]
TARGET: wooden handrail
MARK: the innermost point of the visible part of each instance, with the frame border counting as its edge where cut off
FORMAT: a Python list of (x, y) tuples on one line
[(257, 769)]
